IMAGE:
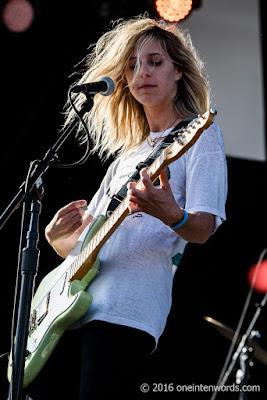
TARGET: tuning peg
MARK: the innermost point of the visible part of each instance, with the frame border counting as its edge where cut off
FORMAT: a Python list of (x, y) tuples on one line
[(213, 111)]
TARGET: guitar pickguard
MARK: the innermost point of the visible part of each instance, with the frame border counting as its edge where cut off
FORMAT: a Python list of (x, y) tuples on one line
[(56, 305)]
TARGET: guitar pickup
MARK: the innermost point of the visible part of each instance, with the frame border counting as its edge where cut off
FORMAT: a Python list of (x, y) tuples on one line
[(42, 309)]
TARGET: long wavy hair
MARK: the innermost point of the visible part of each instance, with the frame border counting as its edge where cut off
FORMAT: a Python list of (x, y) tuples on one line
[(117, 123)]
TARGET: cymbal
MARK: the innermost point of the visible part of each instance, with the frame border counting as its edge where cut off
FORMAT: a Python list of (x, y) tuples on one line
[(258, 352)]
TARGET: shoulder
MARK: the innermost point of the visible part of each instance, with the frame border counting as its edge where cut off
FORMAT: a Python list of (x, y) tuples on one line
[(210, 142), (111, 171), (212, 137)]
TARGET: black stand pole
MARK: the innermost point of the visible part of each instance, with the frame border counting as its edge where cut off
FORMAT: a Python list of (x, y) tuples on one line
[(30, 256), (29, 267)]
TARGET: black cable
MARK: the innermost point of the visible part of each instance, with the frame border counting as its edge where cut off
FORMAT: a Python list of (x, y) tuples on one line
[(4, 355), (85, 157)]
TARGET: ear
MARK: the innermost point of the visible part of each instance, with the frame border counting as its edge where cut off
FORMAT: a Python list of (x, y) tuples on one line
[(178, 74)]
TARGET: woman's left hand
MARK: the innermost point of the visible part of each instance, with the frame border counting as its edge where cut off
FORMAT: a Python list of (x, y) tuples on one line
[(156, 201), (160, 203)]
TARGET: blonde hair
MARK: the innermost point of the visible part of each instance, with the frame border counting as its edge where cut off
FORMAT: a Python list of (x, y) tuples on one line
[(117, 123)]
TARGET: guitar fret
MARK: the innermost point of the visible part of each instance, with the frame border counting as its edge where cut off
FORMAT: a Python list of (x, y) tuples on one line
[(74, 267), (102, 232), (92, 244), (70, 273), (112, 217), (115, 216)]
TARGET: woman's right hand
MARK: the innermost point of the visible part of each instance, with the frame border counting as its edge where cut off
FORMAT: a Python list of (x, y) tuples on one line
[(66, 226), (66, 221)]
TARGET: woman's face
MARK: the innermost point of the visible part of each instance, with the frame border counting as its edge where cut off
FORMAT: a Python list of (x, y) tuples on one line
[(152, 76)]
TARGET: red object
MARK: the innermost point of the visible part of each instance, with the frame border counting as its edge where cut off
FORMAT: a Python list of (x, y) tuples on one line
[(18, 15), (257, 277)]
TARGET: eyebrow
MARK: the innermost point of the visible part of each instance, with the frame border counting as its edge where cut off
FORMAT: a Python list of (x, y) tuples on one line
[(151, 54)]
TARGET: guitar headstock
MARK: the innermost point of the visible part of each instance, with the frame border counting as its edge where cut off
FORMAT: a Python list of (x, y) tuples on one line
[(189, 135)]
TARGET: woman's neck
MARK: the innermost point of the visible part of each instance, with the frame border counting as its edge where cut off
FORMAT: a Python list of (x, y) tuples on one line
[(160, 121)]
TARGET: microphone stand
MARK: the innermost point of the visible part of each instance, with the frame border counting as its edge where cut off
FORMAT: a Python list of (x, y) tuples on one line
[(30, 254), (242, 349)]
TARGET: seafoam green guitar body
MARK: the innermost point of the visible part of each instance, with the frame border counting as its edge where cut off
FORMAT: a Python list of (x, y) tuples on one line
[(56, 305)]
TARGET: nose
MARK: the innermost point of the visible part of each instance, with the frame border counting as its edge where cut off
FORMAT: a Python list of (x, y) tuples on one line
[(145, 69)]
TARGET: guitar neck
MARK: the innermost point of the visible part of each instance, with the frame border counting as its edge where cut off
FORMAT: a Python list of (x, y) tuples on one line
[(86, 258), (84, 261)]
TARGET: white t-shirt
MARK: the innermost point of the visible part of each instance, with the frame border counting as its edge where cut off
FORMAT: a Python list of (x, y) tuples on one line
[(134, 284)]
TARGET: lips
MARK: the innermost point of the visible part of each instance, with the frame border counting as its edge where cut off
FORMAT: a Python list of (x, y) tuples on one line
[(146, 86)]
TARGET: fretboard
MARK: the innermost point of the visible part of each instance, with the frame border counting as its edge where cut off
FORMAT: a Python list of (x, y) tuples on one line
[(84, 261)]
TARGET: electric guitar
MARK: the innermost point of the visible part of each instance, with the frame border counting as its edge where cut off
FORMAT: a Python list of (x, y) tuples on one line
[(60, 299)]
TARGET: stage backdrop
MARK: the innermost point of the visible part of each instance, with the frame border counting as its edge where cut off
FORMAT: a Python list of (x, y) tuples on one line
[(227, 34)]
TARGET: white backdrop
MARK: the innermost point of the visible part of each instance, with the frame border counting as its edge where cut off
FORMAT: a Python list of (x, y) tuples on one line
[(227, 36)]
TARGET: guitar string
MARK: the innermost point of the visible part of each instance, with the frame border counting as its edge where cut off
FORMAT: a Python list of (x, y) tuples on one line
[(86, 250), (54, 290), (53, 293)]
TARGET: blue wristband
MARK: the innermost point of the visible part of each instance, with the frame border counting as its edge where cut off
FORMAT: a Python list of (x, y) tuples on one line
[(182, 222)]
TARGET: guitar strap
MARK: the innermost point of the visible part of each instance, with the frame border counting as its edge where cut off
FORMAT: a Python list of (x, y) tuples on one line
[(121, 194)]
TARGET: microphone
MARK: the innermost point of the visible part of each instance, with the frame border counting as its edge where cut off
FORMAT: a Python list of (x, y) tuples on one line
[(105, 86)]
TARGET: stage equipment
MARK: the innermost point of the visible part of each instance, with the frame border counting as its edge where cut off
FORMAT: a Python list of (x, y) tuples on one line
[(173, 10)]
